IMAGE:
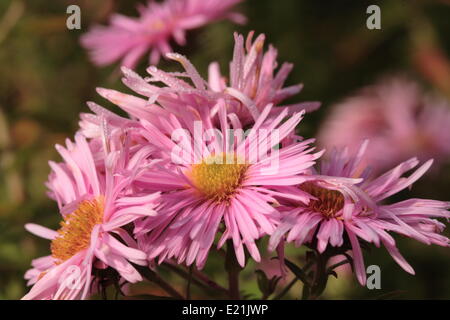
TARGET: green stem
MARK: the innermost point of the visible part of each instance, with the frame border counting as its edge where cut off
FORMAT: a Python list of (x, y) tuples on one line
[(155, 278), (286, 289), (212, 284), (321, 275), (233, 268), (188, 286), (198, 278)]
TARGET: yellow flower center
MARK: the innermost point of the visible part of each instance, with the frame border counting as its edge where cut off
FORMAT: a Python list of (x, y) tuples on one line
[(157, 25), (329, 202), (218, 177), (76, 228)]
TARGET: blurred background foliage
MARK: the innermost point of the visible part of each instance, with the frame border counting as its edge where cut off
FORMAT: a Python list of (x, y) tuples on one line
[(46, 78)]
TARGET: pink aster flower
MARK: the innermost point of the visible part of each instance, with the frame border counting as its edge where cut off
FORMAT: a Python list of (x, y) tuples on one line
[(129, 38), (348, 208), (397, 118), (253, 85), (208, 180), (253, 81), (95, 203)]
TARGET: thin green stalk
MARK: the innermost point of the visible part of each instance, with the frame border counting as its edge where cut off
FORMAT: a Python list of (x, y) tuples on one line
[(233, 268), (155, 278), (286, 289)]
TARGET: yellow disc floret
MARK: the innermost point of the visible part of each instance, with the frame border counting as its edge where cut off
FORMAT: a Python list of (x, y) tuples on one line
[(218, 177), (76, 228)]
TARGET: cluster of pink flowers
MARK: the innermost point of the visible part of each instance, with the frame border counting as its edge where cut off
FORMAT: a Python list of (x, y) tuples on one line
[(200, 163)]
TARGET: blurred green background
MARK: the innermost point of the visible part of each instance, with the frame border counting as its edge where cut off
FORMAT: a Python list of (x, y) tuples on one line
[(46, 78)]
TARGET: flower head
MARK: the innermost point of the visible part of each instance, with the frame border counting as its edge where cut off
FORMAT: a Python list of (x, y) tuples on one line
[(95, 202), (347, 207), (129, 39), (212, 177), (254, 82)]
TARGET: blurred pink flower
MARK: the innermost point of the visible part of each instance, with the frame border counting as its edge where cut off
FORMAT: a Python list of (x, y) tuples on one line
[(348, 208), (129, 38), (204, 188), (397, 118), (94, 201)]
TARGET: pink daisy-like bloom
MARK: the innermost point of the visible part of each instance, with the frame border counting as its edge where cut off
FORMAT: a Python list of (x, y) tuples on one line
[(253, 81), (397, 118), (129, 38), (206, 180), (95, 203), (253, 85), (347, 208)]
